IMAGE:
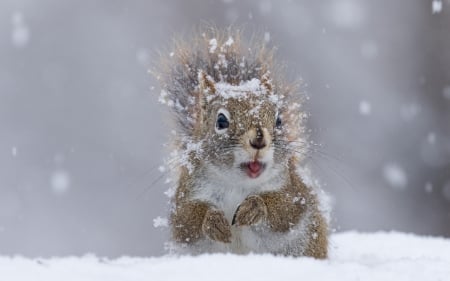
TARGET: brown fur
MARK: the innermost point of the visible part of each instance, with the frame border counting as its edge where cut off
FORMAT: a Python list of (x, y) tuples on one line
[(189, 79), (278, 209)]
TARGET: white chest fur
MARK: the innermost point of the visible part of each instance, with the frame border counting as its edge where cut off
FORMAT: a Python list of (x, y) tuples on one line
[(227, 193)]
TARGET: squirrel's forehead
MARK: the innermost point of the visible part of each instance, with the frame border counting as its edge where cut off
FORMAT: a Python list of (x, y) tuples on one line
[(244, 105)]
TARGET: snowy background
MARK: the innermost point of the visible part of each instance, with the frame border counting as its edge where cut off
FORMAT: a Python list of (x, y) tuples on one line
[(81, 134)]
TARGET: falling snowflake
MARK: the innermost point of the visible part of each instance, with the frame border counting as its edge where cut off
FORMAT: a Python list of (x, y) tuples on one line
[(20, 35), (160, 222), (395, 175), (60, 181), (212, 45), (142, 57), (436, 6), (267, 37), (365, 108)]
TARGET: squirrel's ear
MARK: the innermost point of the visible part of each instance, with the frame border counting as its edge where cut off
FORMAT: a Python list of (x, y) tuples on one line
[(206, 88), (206, 83), (266, 82)]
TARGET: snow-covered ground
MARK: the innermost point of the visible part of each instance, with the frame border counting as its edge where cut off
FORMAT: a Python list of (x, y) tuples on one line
[(354, 256)]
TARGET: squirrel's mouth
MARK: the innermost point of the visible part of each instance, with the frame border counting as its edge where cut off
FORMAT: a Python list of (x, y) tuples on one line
[(253, 169)]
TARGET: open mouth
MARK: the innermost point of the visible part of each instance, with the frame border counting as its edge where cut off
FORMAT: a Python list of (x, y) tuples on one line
[(253, 169)]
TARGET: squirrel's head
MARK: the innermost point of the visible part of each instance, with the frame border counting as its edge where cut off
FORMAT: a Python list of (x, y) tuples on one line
[(247, 128), (235, 113)]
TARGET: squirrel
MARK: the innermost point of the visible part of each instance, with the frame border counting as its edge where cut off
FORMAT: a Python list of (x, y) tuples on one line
[(239, 141)]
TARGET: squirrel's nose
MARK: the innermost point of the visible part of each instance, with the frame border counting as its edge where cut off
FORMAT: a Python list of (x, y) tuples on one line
[(258, 142)]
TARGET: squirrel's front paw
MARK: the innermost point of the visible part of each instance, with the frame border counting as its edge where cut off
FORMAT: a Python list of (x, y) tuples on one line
[(250, 212), (216, 227)]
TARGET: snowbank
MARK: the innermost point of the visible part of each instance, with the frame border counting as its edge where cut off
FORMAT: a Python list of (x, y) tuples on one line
[(354, 256)]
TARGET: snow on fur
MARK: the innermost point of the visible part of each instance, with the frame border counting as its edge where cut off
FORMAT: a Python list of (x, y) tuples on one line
[(354, 256)]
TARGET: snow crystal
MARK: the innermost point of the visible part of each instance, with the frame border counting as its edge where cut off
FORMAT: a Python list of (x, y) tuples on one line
[(163, 97), (436, 6), (303, 201), (160, 222), (431, 138), (194, 147), (395, 176), (266, 37), (274, 99), (14, 151), (142, 57), (212, 45), (446, 190), (182, 157), (446, 92), (20, 34), (365, 108), (428, 187), (60, 181), (347, 13), (240, 91), (229, 42), (17, 18), (171, 54), (369, 50), (170, 192), (162, 169), (222, 61)]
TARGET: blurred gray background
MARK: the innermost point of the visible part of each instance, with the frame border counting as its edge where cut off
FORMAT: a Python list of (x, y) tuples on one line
[(81, 132)]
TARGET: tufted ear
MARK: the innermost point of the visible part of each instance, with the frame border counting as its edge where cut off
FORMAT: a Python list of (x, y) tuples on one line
[(206, 90), (266, 82), (206, 83)]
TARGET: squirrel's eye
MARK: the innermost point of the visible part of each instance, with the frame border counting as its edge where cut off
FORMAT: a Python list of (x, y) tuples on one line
[(222, 122), (278, 122)]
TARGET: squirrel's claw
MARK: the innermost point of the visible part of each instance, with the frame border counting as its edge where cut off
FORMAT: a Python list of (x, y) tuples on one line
[(216, 227), (233, 221), (250, 212)]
